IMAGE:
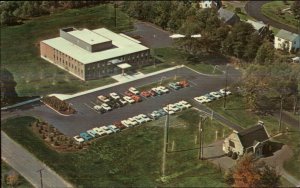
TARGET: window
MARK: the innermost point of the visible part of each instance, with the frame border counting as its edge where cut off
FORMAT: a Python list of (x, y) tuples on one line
[(231, 144), (279, 39)]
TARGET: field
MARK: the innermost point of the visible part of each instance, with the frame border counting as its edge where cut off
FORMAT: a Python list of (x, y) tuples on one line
[(171, 56), (132, 157), (35, 76), (271, 10)]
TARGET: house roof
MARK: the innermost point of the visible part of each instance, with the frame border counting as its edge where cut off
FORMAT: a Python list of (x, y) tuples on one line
[(252, 135), (226, 15), (287, 35), (257, 25)]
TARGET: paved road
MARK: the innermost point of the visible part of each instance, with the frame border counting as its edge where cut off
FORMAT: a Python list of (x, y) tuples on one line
[(27, 165), (253, 9)]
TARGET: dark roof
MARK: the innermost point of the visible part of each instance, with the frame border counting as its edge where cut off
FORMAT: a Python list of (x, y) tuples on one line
[(251, 136), (228, 16)]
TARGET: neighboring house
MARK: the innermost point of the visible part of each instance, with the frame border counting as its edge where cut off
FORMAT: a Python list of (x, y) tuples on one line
[(249, 140), (286, 40), (260, 27), (210, 4), (92, 54), (228, 17)]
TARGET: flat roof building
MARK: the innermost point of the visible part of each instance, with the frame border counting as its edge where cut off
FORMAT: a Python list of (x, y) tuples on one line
[(91, 54)]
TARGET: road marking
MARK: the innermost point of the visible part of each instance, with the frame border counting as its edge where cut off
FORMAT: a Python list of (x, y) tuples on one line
[(93, 103), (193, 82), (91, 108)]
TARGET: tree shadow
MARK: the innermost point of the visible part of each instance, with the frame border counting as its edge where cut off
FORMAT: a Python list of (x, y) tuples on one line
[(209, 59)]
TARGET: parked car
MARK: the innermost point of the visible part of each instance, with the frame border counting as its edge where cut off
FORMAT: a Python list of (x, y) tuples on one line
[(103, 98), (123, 101), (180, 106), (155, 114), (85, 136), (114, 95), (136, 98), (169, 111), (132, 121), (183, 83), (162, 112), (99, 131), (134, 90), (78, 139), (153, 93), (145, 94), (113, 128), (174, 86), (106, 130), (163, 89), (157, 91), (128, 93), (138, 119), (145, 117), (119, 125), (129, 99), (223, 91), (183, 102), (201, 99), (97, 107), (106, 107), (209, 97), (92, 133), (173, 107), (126, 123), (215, 94)]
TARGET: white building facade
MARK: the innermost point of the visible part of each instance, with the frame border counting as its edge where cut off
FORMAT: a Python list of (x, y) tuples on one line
[(288, 41)]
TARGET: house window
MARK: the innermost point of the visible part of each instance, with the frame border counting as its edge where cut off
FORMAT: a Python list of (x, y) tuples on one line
[(231, 144), (279, 39)]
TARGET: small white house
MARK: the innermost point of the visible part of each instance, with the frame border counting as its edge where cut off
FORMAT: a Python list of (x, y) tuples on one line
[(249, 140), (285, 40), (210, 3)]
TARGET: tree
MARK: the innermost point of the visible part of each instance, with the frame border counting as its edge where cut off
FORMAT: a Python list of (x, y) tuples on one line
[(248, 173), (8, 84), (295, 7), (13, 179), (265, 53)]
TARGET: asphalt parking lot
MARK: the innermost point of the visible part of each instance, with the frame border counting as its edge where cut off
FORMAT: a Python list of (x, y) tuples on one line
[(87, 118)]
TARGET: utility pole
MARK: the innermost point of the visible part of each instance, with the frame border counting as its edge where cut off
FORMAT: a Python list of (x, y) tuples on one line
[(201, 136), (165, 148), (115, 7), (225, 94), (41, 176), (280, 116)]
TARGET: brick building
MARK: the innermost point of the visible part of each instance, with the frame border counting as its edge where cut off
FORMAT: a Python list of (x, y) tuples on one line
[(92, 54)]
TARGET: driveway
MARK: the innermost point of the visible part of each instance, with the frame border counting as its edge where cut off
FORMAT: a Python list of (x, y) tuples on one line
[(253, 9)]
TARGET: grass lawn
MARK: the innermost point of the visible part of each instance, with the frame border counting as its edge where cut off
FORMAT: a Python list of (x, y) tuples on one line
[(271, 10), (132, 157), (35, 76), (5, 169), (170, 57), (237, 113)]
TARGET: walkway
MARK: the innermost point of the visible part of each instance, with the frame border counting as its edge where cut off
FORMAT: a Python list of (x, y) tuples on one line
[(253, 9), (28, 165)]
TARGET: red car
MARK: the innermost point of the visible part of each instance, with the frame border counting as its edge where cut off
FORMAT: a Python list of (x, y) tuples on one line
[(153, 93), (136, 98), (145, 93), (119, 125), (128, 93), (183, 83)]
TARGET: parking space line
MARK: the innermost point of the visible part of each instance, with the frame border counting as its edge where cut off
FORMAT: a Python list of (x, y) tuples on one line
[(93, 103), (91, 108), (192, 82)]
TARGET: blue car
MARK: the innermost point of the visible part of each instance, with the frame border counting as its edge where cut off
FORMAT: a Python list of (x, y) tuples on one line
[(85, 136)]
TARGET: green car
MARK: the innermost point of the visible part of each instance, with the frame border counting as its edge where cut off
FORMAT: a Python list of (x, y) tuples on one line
[(174, 86)]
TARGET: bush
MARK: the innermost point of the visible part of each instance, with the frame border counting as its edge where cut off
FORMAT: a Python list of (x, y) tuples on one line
[(59, 105)]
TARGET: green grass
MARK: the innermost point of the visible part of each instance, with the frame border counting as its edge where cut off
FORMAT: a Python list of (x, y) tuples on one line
[(270, 10), (170, 57), (237, 113), (35, 76), (130, 158), (5, 169)]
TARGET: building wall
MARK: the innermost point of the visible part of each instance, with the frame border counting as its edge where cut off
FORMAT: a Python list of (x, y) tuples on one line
[(283, 44), (238, 148)]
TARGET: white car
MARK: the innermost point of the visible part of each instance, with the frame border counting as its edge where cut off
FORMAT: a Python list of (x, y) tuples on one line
[(216, 94), (169, 111), (188, 105), (163, 89), (134, 91), (223, 91), (92, 133), (123, 101), (106, 107), (132, 121), (139, 119), (103, 98), (146, 118), (114, 95), (97, 107), (180, 106), (129, 99), (99, 131), (78, 139), (201, 99), (173, 107), (126, 123), (106, 130)]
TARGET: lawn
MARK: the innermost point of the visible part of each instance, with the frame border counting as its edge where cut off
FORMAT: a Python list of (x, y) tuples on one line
[(35, 76), (271, 10), (5, 169), (237, 113), (132, 157), (171, 56)]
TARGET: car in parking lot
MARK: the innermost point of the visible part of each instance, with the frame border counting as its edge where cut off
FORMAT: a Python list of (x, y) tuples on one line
[(126, 123), (78, 139), (128, 93), (174, 86), (103, 98), (216, 94), (173, 107), (157, 91), (132, 121), (163, 89), (106, 107), (183, 102), (145, 117), (168, 110), (114, 95), (180, 106), (113, 128), (153, 93), (155, 114), (106, 130), (162, 112), (145, 94), (92, 133), (134, 90), (201, 99), (223, 91), (123, 102), (97, 107), (136, 98), (119, 125), (85, 136), (129, 99), (99, 131), (139, 119), (209, 97), (183, 83)]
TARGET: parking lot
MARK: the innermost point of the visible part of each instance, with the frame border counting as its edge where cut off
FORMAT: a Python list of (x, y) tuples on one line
[(87, 118)]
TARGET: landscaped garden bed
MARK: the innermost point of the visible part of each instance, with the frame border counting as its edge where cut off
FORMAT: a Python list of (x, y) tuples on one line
[(61, 106)]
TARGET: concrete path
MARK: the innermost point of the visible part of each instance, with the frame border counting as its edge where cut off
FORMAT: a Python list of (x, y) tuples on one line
[(28, 165)]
